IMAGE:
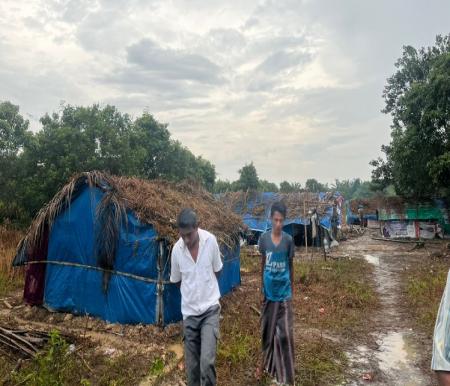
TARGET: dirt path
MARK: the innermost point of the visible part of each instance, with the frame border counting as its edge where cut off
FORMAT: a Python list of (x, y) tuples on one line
[(391, 355)]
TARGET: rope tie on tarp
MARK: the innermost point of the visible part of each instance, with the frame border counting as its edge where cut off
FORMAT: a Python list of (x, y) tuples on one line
[(95, 268), (113, 272)]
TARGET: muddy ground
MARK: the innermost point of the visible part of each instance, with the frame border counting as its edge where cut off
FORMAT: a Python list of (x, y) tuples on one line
[(395, 352), (373, 343)]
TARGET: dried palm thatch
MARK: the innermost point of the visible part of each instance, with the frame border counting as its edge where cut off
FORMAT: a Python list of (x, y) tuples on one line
[(379, 202), (159, 202), (370, 206), (153, 202), (300, 203)]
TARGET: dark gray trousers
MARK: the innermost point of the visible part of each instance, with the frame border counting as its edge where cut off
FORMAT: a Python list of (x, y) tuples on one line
[(201, 334)]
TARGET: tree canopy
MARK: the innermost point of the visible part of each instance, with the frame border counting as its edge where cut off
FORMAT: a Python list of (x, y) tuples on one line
[(33, 166), (248, 178), (417, 96)]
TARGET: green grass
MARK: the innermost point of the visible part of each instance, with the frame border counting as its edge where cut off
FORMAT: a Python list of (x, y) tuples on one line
[(423, 287), (238, 348), (343, 288), (157, 367), (249, 262), (57, 366), (320, 362), (52, 367)]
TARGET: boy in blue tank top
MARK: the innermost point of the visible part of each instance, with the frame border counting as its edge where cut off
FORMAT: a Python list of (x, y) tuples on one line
[(277, 273)]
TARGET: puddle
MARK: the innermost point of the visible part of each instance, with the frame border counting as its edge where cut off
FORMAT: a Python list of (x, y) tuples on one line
[(393, 354), (359, 357), (397, 360), (375, 260)]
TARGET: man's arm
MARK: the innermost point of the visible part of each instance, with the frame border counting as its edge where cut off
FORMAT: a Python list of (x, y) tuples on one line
[(175, 273), (291, 265), (217, 261)]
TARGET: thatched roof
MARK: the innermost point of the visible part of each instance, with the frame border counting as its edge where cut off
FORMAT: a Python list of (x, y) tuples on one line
[(256, 204), (370, 205), (379, 202), (154, 202)]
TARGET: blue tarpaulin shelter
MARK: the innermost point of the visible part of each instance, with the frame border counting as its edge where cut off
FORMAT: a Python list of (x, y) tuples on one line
[(254, 208), (369, 210), (136, 289)]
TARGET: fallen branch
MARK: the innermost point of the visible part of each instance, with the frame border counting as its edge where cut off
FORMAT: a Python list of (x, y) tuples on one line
[(418, 242), (79, 355), (25, 343), (256, 310)]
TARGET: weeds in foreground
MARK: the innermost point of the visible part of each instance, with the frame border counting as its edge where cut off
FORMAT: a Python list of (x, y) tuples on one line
[(51, 367), (335, 295), (238, 347), (83, 365), (157, 367), (423, 287), (320, 362)]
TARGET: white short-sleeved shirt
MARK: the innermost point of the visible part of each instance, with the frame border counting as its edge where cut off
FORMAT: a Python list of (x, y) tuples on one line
[(199, 286)]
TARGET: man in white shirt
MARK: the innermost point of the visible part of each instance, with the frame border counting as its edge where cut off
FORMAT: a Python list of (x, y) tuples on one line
[(196, 265)]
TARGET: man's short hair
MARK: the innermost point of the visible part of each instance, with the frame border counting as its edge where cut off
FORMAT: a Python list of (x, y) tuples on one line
[(187, 219), (279, 207)]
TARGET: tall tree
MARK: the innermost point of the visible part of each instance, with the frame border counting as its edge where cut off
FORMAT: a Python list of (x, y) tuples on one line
[(315, 186), (287, 187), (14, 136), (150, 140), (248, 177), (34, 167), (267, 186), (417, 97), (222, 186)]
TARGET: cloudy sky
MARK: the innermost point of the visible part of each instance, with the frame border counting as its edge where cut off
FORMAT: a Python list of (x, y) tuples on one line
[(292, 85)]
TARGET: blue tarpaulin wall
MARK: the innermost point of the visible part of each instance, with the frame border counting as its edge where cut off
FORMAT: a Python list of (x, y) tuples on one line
[(73, 282), (353, 218), (262, 223)]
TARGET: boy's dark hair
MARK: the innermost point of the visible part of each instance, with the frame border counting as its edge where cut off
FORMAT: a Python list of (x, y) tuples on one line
[(279, 207), (187, 219)]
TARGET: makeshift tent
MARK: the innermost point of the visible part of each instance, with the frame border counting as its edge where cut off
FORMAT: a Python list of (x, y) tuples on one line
[(369, 207), (402, 219), (254, 208), (102, 247)]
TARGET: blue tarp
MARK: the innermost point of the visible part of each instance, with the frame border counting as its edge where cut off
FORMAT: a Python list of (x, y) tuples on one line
[(74, 283), (353, 218), (262, 222)]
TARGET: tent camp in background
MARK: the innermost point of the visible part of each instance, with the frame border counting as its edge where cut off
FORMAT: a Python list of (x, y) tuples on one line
[(319, 212), (369, 209), (102, 247), (406, 219)]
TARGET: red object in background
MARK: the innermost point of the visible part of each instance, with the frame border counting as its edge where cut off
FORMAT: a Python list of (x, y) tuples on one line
[(33, 292)]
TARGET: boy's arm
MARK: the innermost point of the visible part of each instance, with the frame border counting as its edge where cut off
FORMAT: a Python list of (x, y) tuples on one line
[(263, 261), (291, 265)]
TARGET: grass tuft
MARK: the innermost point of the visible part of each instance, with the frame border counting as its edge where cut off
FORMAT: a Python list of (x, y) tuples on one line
[(423, 286)]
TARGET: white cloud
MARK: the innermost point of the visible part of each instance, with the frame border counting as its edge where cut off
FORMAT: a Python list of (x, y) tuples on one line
[(294, 86)]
